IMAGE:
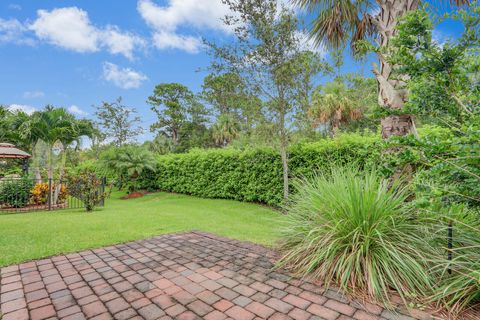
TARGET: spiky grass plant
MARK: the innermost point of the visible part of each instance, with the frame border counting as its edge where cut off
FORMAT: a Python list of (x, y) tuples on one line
[(459, 285), (351, 230)]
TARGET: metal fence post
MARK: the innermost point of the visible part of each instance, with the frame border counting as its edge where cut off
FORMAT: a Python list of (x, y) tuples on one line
[(49, 193), (450, 245)]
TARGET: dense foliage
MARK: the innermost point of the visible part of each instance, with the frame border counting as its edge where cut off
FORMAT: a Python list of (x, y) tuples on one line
[(88, 188), (255, 174), (16, 192)]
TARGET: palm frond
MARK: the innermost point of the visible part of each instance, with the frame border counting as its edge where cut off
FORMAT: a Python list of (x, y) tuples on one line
[(336, 20)]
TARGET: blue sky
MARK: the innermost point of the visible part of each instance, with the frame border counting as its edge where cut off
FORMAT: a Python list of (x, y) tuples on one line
[(78, 53)]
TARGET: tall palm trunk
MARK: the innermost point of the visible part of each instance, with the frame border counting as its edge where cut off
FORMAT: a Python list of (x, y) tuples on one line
[(391, 94), (58, 186), (50, 172)]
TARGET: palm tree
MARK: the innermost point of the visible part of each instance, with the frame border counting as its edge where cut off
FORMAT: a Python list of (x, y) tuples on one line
[(131, 161), (5, 124), (338, 21), (334, 105), (161, 144), (78, 129), (54, 127), (225, 130)]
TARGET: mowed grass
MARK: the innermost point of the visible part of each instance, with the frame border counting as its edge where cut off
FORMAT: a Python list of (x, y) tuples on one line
[(28, 236)]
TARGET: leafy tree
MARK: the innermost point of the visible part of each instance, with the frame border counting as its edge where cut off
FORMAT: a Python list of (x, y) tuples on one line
[(236, 111), (175, 99), (338, 21), (443, 84), (266, 55), (309, 65), (225, 92), (179, 114), (442, 78), (118, 122)]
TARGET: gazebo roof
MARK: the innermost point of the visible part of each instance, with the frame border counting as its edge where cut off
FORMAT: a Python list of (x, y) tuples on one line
[(8, 151)]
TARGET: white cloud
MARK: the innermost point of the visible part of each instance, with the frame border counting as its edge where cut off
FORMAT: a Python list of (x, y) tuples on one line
[(71, 28), (124, 78), (33, 94), (166, 20), (119, 42), (14, 31), (21, 107), (170, 40), (76, 110), (205, 14)]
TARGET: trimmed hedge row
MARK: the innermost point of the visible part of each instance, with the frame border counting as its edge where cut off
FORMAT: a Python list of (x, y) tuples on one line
[(254, 175)]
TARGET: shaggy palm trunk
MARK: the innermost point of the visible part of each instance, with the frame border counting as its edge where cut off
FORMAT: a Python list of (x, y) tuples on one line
[(392, 95)]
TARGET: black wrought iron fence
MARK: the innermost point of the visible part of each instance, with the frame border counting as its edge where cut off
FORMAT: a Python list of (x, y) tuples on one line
[(29, 194)]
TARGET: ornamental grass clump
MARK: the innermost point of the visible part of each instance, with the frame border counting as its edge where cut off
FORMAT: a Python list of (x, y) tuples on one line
[(349, 229), (458, 288)]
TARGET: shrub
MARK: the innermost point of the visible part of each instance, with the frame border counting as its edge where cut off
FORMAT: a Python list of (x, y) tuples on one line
[(39, 193), (446, 161), (87, 187), (254, 175), (16, 192), (348, 228)]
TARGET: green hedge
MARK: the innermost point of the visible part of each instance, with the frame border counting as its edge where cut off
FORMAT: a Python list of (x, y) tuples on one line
[(254, 175)]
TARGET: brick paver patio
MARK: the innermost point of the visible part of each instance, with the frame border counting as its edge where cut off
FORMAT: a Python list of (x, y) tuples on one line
[(177, 276)]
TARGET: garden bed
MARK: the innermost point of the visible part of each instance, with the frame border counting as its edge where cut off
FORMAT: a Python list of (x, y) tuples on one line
[(34, 207)]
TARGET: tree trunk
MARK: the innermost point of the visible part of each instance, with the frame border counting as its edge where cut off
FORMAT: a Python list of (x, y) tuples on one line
[(50, 171), (391, 93), (400, 125), (175, 136), (36, 164), (58, 186), (284, 154)]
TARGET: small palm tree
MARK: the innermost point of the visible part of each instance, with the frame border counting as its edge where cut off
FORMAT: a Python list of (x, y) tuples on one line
[(334, 105), (225, 130), (132, 161)]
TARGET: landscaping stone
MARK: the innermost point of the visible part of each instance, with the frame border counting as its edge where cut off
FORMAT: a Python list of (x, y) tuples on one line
[(191, 275)]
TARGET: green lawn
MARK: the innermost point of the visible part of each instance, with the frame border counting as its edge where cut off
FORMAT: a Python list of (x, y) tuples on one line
[(35, 235)]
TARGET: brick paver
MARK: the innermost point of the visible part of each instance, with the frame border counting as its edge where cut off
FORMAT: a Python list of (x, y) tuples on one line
[(191, 275)]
